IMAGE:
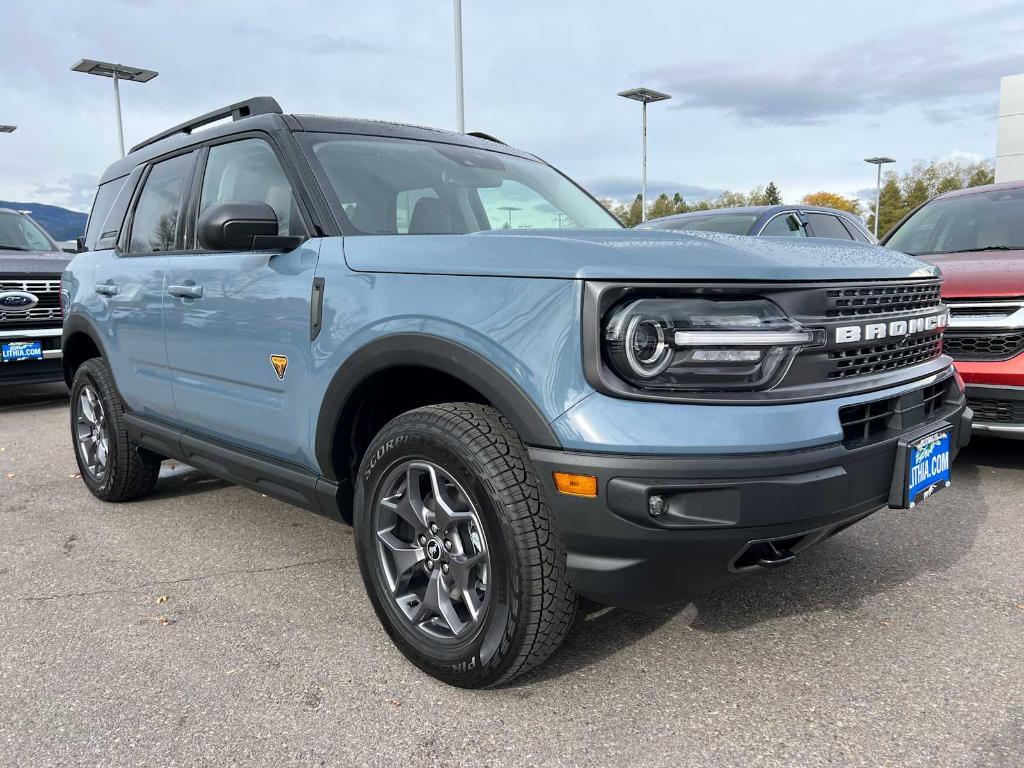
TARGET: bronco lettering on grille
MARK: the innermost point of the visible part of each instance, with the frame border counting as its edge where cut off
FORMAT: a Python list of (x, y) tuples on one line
[(850, 334)]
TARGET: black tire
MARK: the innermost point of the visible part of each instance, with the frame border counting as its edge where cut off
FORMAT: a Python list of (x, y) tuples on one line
[(529, 602), (130, 471)]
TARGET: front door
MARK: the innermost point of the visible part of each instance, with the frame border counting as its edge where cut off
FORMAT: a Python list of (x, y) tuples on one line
[(238, 323), (129, 289)]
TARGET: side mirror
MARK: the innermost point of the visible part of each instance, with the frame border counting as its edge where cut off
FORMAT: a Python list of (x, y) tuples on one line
[(80, 244), (248, 226)]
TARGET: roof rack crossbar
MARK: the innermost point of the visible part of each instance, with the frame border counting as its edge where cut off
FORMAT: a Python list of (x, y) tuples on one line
[(260, 105)]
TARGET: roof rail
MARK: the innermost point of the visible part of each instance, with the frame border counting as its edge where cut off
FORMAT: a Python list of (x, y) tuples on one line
[(259, 105), (486, 137)]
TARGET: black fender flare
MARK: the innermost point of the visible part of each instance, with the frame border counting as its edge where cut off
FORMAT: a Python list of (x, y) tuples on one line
[(426, 351), (73, 326)]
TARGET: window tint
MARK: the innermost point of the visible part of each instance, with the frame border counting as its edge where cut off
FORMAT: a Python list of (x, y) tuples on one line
[(19, 233), (398, 186), (729, 223), (248, 172), (827, 225), (105, 196), (155, 223), (855, 232), (992, 220), (787, 225)]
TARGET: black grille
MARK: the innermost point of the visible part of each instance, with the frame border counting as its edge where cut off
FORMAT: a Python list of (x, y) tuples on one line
[(867, 422), (1001, 411), (884, 357), (882, 299), (978, 345), (45, 314)]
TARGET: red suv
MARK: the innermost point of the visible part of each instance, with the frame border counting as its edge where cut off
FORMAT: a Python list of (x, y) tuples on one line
[(976, 236)]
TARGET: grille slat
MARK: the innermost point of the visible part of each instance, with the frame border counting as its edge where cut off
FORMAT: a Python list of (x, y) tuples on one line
[(46, 313), (977, 345), (861, 301), (884, 357), (994, 410), (867, 422)]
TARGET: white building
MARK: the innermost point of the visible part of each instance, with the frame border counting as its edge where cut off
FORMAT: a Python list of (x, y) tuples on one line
[(1010, 137)]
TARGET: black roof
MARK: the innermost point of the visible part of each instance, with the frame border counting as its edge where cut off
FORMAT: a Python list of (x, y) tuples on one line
[(264, 116)]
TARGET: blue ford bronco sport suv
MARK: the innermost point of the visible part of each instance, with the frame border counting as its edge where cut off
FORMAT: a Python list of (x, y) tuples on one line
[(448, 344)]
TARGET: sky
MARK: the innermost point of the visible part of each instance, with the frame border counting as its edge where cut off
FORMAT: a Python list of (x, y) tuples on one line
[(760, 91)]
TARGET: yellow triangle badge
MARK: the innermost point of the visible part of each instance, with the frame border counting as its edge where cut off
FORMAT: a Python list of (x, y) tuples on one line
[(280, 363)]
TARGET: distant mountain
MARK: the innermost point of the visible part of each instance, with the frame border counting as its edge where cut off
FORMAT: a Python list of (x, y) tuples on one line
[(61, 223)]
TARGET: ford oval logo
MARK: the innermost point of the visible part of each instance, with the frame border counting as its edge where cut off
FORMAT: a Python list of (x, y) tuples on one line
[(17, 300)]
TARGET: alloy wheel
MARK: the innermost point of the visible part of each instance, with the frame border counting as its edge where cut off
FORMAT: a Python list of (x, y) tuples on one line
[(433, 552), (91, 433)]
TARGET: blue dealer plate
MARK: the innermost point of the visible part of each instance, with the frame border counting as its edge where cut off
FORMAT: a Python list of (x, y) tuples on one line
[(927, 466), (13, 351)]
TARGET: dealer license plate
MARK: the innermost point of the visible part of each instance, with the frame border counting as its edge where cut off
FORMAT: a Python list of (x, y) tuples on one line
[(13, 351), (927, 467)]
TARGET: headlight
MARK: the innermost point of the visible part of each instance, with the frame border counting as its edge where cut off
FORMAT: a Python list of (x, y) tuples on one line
[(702, 344)]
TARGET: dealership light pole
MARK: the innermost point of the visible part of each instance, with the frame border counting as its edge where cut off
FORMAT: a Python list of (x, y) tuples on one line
[(116, 72), (645, 96), (509, 208), (460, 112), (878, 161)]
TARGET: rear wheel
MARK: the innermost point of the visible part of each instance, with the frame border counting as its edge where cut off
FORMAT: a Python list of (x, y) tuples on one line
[(459, 552), (112, 466)]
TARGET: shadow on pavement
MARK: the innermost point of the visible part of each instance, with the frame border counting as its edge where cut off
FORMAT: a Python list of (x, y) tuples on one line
[(177, 479), (994, 452), (29, 396)]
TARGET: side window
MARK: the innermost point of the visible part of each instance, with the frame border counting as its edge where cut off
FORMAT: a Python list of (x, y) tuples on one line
[(784, 226), (105, 196), (827, 225), (155, 222), (248, 171), (855, 231)]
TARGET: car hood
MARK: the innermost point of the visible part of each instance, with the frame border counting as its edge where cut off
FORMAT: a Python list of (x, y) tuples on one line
[(629, 254), (977, 274), (33, 262)]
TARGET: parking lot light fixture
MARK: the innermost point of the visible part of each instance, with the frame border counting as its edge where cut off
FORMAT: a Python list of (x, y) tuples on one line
[(117, 73), (879, 162), (645, 96), (8, 128)]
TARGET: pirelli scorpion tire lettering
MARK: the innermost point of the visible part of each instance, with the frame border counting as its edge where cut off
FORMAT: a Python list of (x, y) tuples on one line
[(460, 555)]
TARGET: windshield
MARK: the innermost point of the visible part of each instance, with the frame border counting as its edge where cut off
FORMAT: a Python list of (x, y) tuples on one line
[(19, 233), (730, 223), (991, 220), (403, 187)]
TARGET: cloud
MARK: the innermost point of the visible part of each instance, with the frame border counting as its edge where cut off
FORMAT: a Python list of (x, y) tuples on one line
[(623, 188), (75, 191), (922, 68)]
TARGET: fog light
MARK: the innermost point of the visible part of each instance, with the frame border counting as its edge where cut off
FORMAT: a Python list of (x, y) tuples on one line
[(656, 506), (576, 485)]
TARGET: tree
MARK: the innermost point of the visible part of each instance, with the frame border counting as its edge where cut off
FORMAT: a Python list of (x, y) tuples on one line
[(772, 196), (661, 206), (832, 200)]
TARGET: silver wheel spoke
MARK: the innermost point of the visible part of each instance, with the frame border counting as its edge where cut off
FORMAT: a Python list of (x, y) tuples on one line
[(406, 558), (432, 551)]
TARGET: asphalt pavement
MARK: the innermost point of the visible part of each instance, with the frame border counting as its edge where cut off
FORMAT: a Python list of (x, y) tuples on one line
[(210, 625)]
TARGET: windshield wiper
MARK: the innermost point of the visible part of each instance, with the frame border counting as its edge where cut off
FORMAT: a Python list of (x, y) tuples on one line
[(986, 248), (13, 248)]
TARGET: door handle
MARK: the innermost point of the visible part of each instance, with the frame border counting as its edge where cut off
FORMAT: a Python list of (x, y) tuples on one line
[(107, 289), (186, 291)]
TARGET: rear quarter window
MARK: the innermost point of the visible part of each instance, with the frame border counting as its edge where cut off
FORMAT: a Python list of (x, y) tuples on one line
[(106, 194)]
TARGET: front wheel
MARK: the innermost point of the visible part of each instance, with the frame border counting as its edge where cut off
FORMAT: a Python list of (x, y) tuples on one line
[(459, 552), (112, 466)]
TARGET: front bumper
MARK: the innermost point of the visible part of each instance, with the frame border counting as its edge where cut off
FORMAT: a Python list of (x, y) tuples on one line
[(727, 515)]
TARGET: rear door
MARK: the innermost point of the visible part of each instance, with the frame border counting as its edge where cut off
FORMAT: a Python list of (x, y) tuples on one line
[(238, 323), (129, 282)]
